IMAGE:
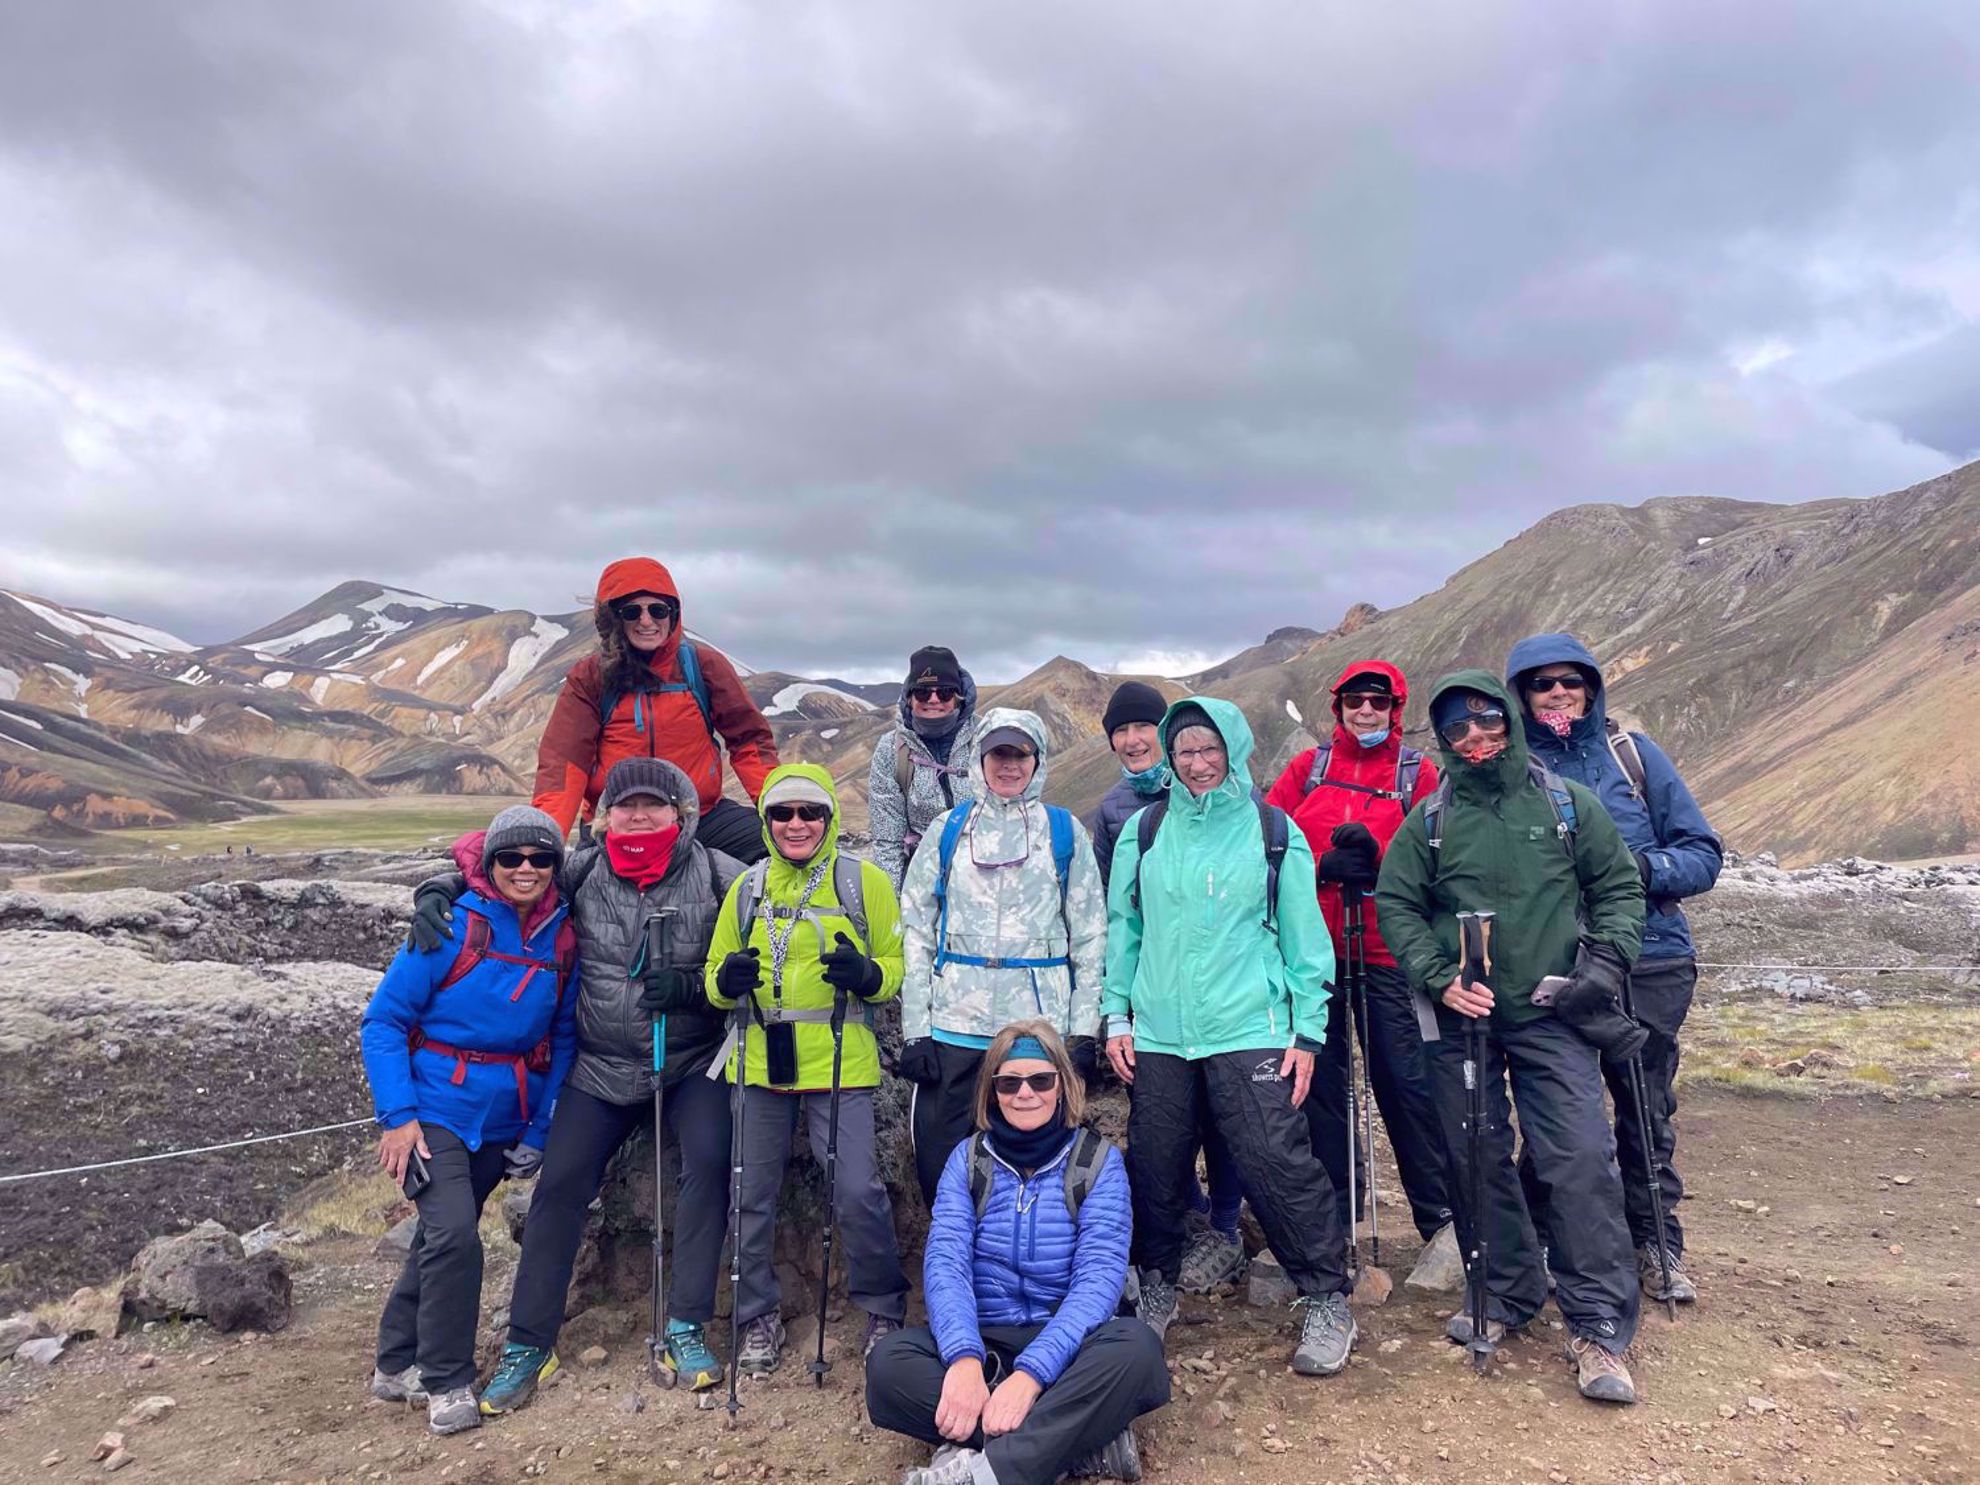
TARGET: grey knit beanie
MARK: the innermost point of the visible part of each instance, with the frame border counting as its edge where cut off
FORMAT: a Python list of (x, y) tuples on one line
[(520, 826), (630, 776)]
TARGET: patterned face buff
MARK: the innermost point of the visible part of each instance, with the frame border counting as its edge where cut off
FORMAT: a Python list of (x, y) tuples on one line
[(1558, 723)]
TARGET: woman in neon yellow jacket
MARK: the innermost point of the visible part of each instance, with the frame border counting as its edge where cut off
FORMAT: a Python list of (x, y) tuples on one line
[(803, 936)]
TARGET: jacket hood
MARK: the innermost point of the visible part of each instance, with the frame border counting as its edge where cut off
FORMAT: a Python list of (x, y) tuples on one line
[(968, 704), (622, 579), (630, 575), (827, 848), (1500, 773), (1229, 721), (687, 799), (1396, 684), (467, 856), (1026, 722), (1537, 650)]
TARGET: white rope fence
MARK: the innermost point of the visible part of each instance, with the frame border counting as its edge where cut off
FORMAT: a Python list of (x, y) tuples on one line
[(259, 1139), (1796, 969)]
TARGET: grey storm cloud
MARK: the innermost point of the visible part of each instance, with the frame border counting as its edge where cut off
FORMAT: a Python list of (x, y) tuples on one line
[(1118, 329)]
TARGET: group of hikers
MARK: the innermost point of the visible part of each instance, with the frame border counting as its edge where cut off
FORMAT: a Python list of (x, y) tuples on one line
[(1496, 919)]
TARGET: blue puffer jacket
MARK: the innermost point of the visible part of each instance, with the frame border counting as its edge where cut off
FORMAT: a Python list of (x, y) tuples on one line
[(1117, 806), (1026, 1262), (1665, 827), (496, 1007)]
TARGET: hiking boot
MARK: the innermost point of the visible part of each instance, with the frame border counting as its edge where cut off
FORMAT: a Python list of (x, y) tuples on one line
[(762, 1345), (400, 1387), (1117, 1459), (1600, 1374), (1651, 1273), (516, 1377), (1458, 1328), (950, 1466), (1157, 1309), (1212, 1259), (1326, 1336), (878, 1328), (452, 1412), (686, 1358)]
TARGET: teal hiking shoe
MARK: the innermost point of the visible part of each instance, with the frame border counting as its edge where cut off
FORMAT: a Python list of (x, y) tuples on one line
[(687, 1358), (516, 1377)]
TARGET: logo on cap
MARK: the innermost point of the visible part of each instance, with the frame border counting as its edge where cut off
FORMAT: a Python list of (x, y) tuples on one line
[(1476, 703)]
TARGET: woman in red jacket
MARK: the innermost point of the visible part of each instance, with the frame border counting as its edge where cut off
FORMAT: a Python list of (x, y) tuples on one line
[(652, 692), (1349, 796)]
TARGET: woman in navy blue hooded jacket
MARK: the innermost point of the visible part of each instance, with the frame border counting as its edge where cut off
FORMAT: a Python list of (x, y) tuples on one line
[(1567, 724), (1026, 1365)]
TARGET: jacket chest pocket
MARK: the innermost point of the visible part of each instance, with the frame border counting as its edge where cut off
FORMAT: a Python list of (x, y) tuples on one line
[(1538, 832)]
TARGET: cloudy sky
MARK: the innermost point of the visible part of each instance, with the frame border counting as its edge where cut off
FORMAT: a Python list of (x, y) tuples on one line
[(1125, 329)]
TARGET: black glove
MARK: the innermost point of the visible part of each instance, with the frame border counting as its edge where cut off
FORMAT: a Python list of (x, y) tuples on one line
[(433, 911), (919, 1062), (1643, 867), (666, 990), (739, 975), (1085, 1058), (849, 971), (1596, 984), (1616, 1036), (1355, 860)]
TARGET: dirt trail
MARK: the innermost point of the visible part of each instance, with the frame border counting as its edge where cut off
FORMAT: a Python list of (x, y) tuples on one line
[(1830, 1346)]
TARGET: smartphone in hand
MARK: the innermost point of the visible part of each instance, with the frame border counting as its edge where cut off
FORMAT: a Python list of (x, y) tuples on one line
[(1549, 987), (418, 1177)]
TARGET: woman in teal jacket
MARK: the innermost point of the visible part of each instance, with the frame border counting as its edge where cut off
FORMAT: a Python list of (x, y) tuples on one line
[(1219, 968)]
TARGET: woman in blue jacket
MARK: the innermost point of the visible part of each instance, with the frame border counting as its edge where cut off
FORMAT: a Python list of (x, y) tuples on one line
[(465, 1048), (1026, 1364)]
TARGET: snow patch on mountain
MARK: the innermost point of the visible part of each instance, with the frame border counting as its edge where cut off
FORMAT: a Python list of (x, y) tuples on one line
[(439, 660), (10, 684), (543, 636), (193, 675), (193, 723), (788, 699), (120, 637), (1293, 712), (80, 684), (382, 629), (252, 712), (275, 680), (321, 629), (400, 598), (740, 668), (829, 733)]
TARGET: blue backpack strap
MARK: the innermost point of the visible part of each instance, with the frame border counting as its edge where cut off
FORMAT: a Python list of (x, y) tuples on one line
[(952, 830), (697, 686), (1558, 799), (1062, 849), (692, 682)]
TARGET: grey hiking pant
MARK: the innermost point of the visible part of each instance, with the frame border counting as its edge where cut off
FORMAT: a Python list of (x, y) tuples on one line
[(1556, 1081), (863, 1211), (434, 1310)]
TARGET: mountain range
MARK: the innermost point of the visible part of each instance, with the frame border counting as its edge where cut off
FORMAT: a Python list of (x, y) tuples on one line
[(1814, 668)]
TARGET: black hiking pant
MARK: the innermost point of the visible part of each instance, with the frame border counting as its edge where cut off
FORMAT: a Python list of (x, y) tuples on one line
[(1117, 1375), (733, 829), (1399, 1077), (942, 1115), (585, 1132), (434, 1310), (1284, 1180), (1659, 996), (1557, 1084)]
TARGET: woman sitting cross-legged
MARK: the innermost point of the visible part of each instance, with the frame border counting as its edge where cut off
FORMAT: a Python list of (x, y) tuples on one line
[(1026, 1368)]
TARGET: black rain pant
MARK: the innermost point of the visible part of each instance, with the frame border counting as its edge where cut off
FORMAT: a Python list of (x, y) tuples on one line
[(941, 1115), (433, 1311), (1117, 1375)]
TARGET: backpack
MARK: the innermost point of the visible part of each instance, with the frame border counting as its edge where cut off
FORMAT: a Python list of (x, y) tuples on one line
[(1629, 758), (692, 681), (1082, 1170), (904, 770), (1063, 837), (1543, 777), (1409, 763), (480, 933), (848, 885), (1272, 823)]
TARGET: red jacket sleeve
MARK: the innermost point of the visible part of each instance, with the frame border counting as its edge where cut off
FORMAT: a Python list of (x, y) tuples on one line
[(569, 749), (752, 746), (1290, 787)]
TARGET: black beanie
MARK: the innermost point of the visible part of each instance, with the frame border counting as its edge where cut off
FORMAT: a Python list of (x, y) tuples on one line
[(1461, 701), (932, 665), (1187, 714), (1133, 701)]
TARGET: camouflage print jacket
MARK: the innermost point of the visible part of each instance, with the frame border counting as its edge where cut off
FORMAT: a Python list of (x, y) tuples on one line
[(1004, 903)]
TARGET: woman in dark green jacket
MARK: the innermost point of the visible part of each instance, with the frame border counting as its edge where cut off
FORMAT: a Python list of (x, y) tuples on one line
[(1543, 856)]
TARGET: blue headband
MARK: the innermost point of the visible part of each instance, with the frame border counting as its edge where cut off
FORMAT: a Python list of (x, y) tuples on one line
[(1027, 1046)]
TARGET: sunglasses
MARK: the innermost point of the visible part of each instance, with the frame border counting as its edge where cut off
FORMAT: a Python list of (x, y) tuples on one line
[(1486, 722), (510, 860), (935, 693), (659, 613), (1009, 1084), (1354, 701), (1536, 684), (783, 814)]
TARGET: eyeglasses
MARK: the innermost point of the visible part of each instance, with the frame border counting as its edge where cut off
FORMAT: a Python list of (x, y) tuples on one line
[(660, 613), (1009, 1084), (1354, 701), (1535, 684), (1488, 722), (510, 860), (1197, 755), (783, 814), (934, 693)]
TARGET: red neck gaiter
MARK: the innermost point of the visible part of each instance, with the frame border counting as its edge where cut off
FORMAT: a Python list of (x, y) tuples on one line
[(642, 859)]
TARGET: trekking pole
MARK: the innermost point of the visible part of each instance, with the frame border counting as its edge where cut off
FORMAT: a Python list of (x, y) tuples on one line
[(1475, 948), (819, 1365), (1351, 908), (1641, 1093), (656, 1343), (1358, 1009), (738, 1105)]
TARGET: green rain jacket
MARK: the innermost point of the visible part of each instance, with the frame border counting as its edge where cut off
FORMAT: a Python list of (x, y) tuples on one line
[(1195, 965), (804, 987), (1502, 853)]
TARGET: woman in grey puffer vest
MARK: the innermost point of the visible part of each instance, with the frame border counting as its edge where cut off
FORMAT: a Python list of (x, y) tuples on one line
[(647, 864), (937, 730)]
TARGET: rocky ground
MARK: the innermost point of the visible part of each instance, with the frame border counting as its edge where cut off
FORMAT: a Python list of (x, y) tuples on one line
[(195, 1006)]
